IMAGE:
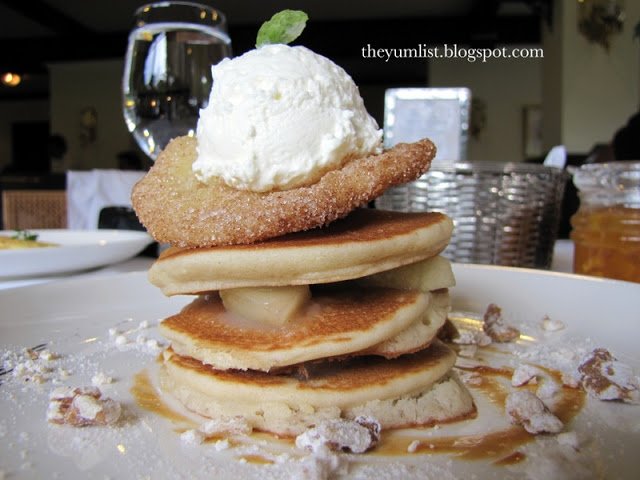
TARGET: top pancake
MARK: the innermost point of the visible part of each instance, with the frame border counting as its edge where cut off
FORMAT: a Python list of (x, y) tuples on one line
[(178, 209), (366, 242)]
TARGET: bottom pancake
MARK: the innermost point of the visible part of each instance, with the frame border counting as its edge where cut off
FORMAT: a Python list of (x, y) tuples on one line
[(416, 389)]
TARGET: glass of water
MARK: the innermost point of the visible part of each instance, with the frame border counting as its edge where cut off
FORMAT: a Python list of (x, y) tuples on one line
[(167, 70)]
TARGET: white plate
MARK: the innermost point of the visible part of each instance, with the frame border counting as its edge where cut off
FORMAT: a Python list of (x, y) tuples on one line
[(76, 250), (75, 318)]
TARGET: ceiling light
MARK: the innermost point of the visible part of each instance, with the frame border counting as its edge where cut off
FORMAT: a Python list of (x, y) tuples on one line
[(11, 79)]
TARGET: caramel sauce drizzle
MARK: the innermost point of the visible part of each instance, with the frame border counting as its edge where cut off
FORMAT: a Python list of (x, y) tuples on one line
[(500, 446), (147, 398), (490, 385), (515, 457), (256, 459), (469, 447)]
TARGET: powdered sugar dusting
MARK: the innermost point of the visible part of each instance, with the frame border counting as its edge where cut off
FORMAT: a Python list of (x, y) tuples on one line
[(219, 427), (227, 426), (192, 437), (100, 379), (525, 374), (471, 337), (551, 325)]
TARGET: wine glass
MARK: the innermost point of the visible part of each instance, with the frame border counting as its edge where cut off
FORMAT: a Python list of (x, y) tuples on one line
[(167, 70)]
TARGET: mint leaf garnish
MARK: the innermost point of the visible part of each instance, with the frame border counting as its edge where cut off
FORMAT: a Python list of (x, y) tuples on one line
[(284, 27), (25, 235)]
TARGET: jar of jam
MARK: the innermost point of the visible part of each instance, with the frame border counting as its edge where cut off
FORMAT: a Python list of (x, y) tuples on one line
[(606, 227)]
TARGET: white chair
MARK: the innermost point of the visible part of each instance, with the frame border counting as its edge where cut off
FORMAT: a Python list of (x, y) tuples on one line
[(88, 192)]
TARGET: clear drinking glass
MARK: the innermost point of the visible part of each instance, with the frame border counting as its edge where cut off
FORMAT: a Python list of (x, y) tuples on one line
[(167, 71)]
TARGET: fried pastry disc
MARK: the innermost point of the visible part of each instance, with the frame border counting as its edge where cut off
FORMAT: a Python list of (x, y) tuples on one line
[(178, 209)]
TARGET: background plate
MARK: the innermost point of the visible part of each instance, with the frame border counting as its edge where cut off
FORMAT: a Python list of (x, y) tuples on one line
[(77, 250)]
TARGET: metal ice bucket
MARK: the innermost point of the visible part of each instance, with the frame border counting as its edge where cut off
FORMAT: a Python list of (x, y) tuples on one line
[(504, 213)]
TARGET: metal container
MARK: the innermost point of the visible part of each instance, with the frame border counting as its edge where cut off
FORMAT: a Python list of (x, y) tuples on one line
[(504, 213)]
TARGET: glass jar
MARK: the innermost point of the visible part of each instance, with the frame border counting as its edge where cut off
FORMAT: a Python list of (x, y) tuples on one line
[(606, 227)]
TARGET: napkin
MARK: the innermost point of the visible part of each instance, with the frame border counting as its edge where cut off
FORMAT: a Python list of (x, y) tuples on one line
[(88, 192)]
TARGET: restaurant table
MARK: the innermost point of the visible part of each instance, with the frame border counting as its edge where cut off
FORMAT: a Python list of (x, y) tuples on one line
[(562, 262)]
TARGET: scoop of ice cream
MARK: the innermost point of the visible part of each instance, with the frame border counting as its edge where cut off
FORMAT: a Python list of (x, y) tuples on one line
[(279, 117)]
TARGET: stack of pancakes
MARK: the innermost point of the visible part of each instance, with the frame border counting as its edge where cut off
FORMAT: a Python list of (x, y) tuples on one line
[(362, 342)]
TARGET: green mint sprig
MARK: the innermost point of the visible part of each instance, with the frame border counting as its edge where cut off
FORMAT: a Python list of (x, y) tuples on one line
[(284, 27), (25, 235)]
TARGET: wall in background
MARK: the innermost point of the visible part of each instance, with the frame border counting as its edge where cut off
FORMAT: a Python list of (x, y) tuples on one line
[(83, 87), (16, 112), (589, 92), (506, 87)]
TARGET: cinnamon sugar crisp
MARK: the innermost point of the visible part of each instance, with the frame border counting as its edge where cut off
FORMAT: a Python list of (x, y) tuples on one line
[(355, 436), (496, 328), (81, 407), (526, 409), (605, 378)]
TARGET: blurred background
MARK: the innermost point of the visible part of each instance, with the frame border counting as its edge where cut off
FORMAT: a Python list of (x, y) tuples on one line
[(61, 64)]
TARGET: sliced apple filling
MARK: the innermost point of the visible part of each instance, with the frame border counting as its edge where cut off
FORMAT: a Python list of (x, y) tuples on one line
[(427, 275), (279, 305), (271, 305)]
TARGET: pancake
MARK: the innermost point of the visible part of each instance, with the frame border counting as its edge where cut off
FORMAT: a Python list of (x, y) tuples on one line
[(178, 209), (420, 333), (412, 390), (366, 242), (337, 321)]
